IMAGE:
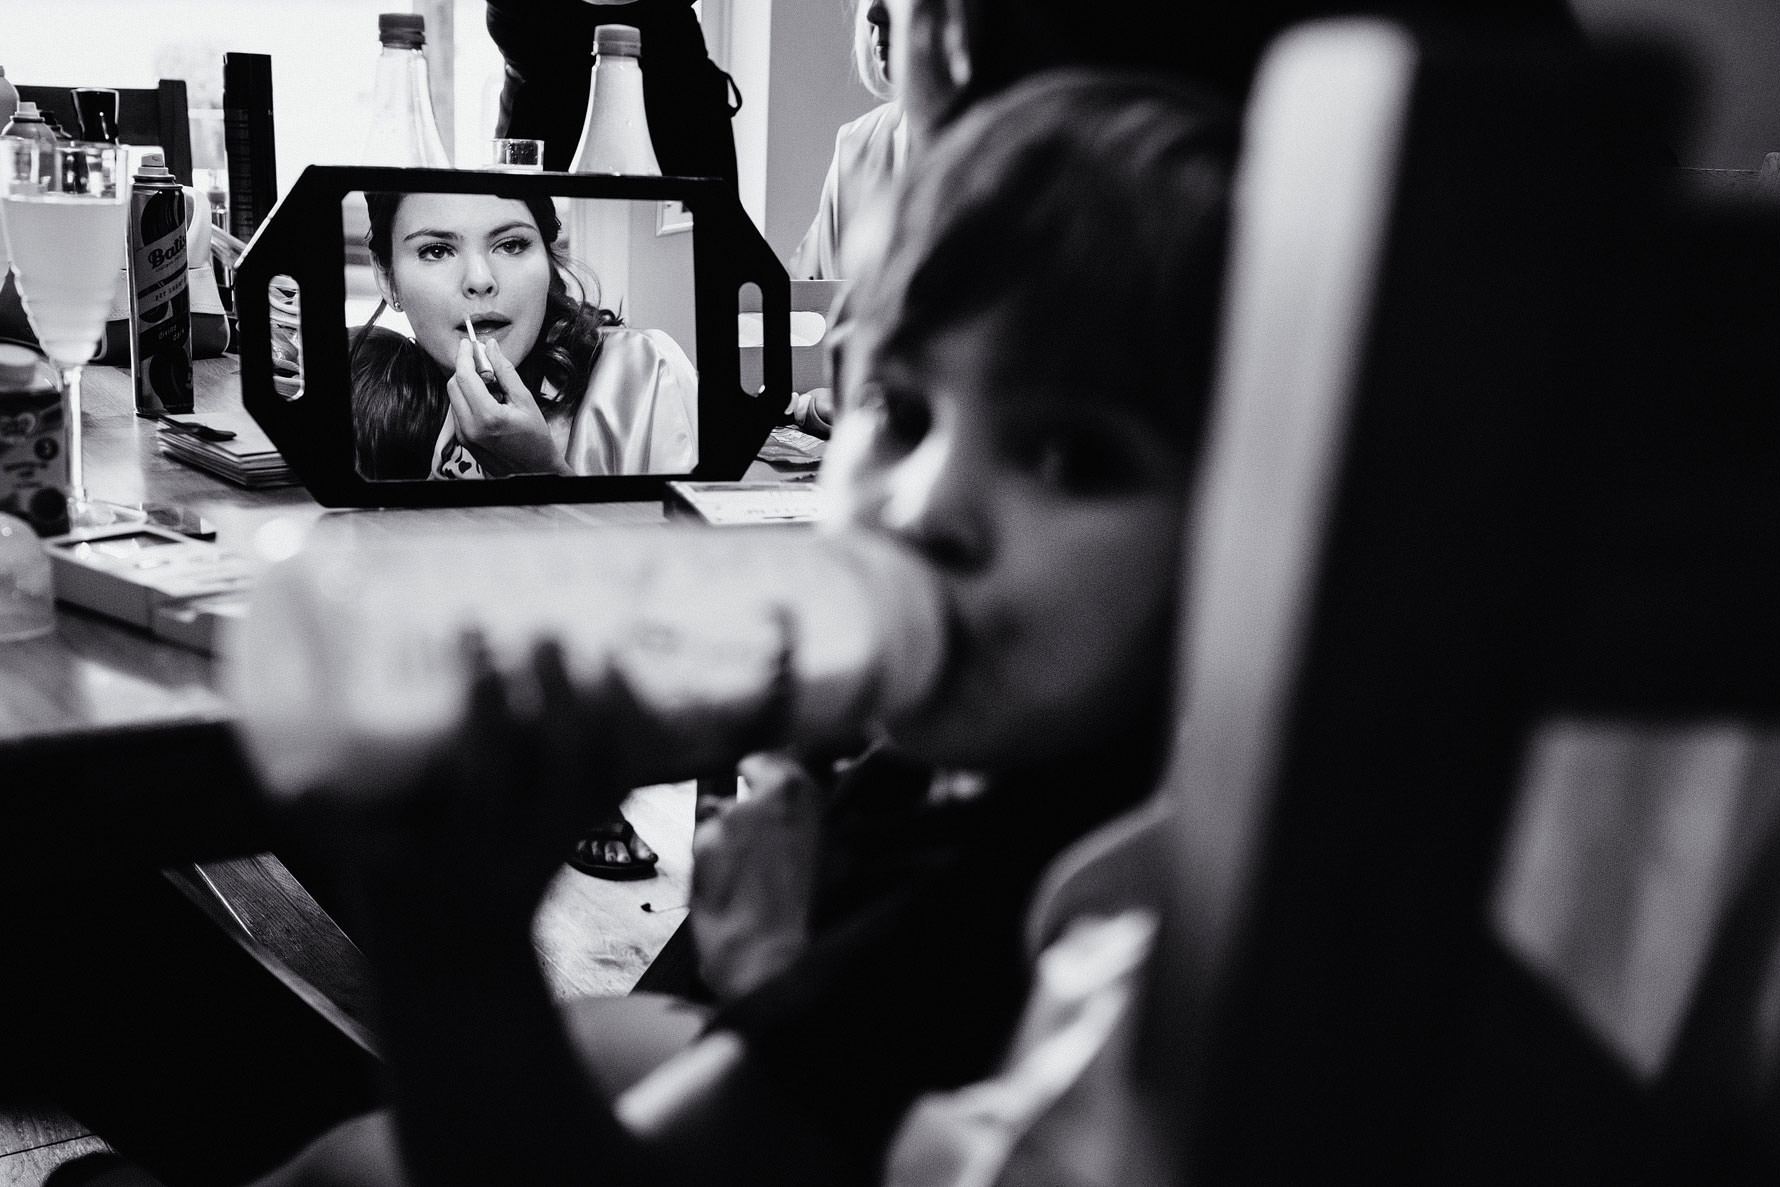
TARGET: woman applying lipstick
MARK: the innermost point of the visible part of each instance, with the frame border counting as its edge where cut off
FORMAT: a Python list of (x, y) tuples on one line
[(573, 390), (514, 368)]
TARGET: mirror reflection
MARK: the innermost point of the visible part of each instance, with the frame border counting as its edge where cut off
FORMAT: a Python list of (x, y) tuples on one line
[(492, 336)]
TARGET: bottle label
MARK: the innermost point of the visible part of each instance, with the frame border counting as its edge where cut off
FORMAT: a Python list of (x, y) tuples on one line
[(160, 303), (34, 459)]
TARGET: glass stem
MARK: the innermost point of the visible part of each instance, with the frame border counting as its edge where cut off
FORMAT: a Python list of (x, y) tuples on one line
[(77, 477)]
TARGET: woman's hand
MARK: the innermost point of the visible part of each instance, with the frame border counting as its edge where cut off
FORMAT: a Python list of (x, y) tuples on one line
[(507, 438), (753, 871)]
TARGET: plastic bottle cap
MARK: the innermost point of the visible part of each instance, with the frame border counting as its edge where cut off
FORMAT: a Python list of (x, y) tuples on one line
[(405, 30), (618, 40), (28, 111)]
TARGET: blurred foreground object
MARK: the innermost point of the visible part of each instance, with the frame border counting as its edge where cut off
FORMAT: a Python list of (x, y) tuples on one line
[(1492, 464), (349, 665)]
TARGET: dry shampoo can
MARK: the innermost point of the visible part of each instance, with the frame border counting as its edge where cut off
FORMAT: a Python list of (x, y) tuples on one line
[(160, 304)]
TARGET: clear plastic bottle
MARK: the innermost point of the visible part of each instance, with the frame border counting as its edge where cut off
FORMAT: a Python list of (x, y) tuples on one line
[(28, 123), (9, 98), (347, 666), (615, 138), (403, 129)]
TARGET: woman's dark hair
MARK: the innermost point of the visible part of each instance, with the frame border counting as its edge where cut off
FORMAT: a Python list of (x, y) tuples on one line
[(399, 395), (1086, 211)]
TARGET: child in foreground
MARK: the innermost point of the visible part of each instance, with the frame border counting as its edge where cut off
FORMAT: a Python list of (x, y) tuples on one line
[(1022, 397)]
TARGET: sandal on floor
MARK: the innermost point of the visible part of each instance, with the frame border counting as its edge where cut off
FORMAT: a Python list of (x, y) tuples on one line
[(586, 856)]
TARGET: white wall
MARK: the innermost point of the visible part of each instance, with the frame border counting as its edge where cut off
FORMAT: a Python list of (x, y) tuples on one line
[(815, 93), (792, 61)]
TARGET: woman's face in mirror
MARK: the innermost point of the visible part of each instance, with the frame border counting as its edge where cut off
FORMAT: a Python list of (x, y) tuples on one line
[(475, 256)]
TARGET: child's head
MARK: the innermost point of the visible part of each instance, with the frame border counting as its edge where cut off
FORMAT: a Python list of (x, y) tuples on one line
[(1022, 395)]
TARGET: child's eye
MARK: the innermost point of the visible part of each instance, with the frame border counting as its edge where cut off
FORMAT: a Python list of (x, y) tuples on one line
[(1075, 460), (907, 415), (434, 251), (904, 413)]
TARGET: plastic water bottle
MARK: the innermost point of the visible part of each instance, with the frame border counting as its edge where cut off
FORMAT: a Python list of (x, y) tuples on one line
[(9, 98), (615, 138), (347, 667), (27, 123), (403, 129)]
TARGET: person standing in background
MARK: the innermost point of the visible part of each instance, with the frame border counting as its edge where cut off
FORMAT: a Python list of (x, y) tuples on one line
[(868, 152), (547, 47)]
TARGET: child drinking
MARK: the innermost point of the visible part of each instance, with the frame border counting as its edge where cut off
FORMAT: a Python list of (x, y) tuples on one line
[(1022, 398)]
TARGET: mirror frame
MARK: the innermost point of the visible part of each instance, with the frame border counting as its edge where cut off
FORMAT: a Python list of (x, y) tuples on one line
[(304, 239)]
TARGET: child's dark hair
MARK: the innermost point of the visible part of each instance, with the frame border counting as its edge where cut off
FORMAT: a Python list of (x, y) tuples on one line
[(1087, 211), (399, 398)]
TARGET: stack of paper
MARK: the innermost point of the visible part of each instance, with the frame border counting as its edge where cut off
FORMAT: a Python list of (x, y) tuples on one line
[(246, 459), (744, 502)]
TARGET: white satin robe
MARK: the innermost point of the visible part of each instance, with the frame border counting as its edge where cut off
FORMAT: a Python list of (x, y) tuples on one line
[(639, 414)]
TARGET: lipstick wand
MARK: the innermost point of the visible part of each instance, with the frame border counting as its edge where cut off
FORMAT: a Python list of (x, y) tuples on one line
[(484, 368)]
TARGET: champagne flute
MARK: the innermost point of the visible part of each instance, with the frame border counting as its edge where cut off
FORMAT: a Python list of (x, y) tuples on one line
[(64, 209)]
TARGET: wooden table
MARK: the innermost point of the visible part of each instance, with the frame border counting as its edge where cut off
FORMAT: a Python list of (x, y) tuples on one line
[(117, 746), (120, 773)]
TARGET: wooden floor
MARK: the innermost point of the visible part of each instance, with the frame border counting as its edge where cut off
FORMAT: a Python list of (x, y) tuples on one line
[(594, 937)]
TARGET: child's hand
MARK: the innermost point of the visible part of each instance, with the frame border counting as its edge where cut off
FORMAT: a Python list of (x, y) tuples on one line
[(472, 843), (753, 871), (509, 437)]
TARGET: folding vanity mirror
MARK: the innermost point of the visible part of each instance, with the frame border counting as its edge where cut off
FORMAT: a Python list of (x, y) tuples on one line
[(611, 300)]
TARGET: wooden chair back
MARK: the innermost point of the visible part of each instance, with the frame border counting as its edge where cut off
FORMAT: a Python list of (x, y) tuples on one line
[(145, 115), (1492, 450)]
